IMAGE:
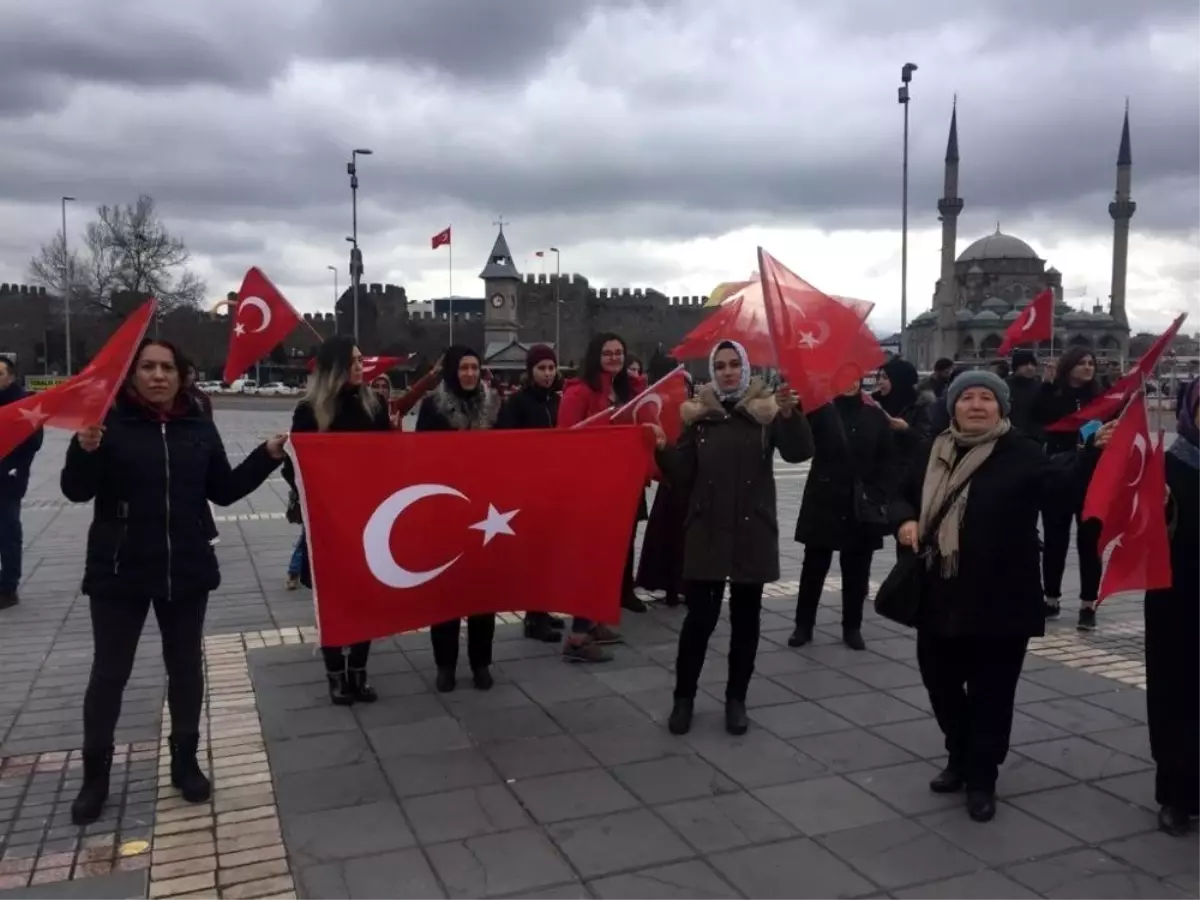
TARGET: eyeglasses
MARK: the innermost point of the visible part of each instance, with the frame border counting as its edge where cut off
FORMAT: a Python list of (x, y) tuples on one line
[(613, 354)]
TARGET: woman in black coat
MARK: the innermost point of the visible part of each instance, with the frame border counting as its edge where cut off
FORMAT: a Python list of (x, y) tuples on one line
[(855, 466), (725, 464), (1172, 623), (984, 484), (535, 405), (338, 400), (462, 402), (150, 471), (907, 408), (1073, 388)]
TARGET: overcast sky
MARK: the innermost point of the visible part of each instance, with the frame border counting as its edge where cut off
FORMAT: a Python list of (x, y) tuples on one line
[(656, 143)]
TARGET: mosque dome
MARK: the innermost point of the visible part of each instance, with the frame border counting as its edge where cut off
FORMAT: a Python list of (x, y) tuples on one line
[(998, 246)]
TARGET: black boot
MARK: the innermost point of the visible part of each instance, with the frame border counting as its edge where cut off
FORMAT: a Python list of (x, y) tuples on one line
[(632, 602), (803, 634), (736, 721), (339, 688), (853, 639), (90, 803), (360, 689), (680, 720), (446, 680), (981, 805), (185, 770), (673, 600), (482, 677), (948, 781), (541, 628), (1174, 820)]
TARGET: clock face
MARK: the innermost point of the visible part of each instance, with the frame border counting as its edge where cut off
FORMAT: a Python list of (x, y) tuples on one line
[(497, 301)]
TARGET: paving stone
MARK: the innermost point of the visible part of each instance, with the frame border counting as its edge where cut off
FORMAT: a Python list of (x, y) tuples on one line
[(853, 750), (1021, 775), (789, 869), (398, 710), (888, 675), (898, 853), (1089, 873), (400, 874), (1072, 682), (819, 684), (1133, 740), (1087, 813), (920, 737), (711, 824), (824, 805), (670, 779), (467, 703), (572, 795), (465, 813), (1076, 715), (1029, 730), (631, 839), (508, 725), (793, 720), (1130, 702), (331, 834), (115, 886), (535, 756), (780, 662), (430, 736), (680, 880), (876, 708), (1161, 855), (985, 884), (323, 751), (756, 759), (411, 776), (316, 789), (597, 714), (292, 723), (513, 862), (642, 678), (1012, 836), (1137, 787), (1083, 759)]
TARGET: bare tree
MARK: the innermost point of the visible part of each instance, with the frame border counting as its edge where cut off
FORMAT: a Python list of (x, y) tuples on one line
[(127, 248)]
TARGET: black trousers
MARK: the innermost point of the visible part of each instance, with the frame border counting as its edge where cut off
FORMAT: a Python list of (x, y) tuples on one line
[(480, 631), (856, 582), (1173, 697), (117, 624), (972, 685), (1056, 541), (703, 612), (338, 659)]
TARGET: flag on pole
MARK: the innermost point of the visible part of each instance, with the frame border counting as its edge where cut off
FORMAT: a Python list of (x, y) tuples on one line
[(1033, 325), (255, 334), (441, 238)]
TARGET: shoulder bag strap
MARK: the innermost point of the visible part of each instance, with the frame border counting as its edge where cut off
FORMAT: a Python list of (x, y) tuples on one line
[(936, 522)]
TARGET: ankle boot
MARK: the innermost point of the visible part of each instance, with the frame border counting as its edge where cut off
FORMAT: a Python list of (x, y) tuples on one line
[(482, 677), (90, 803), (541, 628), (853, 639), (185, 770), (736, 720), (680, 720), (339, 688), (447, 680), (360, 689), (801, 635)]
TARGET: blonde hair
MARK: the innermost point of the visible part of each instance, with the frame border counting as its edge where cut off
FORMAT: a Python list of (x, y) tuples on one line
[(330, 376)]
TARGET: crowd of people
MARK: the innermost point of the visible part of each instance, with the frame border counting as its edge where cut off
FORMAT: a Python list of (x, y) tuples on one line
[(959, 468)]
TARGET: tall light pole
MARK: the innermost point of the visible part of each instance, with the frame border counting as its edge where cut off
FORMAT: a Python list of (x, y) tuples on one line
[(355, 253), (333, 269), (557, 303), (903, 98), (66, 279)]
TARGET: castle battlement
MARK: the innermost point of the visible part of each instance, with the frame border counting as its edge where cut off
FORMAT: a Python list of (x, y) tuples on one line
[(694, 300), (319, 317), (387, 290), (565, 278), (430, 316), (22, 289)]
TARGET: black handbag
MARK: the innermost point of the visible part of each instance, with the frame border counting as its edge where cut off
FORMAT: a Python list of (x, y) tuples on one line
[(902, 593), (871, 510), (293, 513)]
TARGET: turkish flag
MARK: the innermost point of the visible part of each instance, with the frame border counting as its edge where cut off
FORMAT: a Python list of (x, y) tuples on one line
[(379, 365), (261, 319), (1114, 399), (1034, 324), (82, 400), (658, 404), (442, 237), (741, 317), (443, 537)]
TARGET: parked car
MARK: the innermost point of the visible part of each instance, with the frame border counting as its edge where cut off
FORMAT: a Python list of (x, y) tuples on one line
[(277, 389)]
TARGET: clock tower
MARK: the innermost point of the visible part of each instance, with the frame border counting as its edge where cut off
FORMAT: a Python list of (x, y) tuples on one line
[(501, 283)]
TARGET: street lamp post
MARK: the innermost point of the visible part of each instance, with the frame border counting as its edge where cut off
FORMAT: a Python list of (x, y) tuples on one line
[(355, 254), (333, 269), (557, 303), (66, 281), (903, 98)]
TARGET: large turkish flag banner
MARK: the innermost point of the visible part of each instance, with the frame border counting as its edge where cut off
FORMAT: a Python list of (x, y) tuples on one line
[(472, 522)]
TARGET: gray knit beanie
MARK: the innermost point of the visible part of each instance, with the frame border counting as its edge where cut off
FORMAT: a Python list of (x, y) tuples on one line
[(980, 378)]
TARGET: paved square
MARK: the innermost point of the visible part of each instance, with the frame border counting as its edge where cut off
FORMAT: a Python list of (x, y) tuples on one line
[(562, 781)]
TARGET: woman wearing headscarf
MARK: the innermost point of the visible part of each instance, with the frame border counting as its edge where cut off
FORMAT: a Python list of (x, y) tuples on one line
[(603, 385), (907, 408), (1172, 623), (462, 402), (535, 405), (725, 464), (855, 464), (982, 599), (150, 472), (1073, 388), (338, 400)]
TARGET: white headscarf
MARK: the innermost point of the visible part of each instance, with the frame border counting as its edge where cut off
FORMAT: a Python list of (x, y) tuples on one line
[(743, 385)]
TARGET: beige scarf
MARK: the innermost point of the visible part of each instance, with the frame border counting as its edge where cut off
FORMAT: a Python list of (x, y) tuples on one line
[(942, 477)]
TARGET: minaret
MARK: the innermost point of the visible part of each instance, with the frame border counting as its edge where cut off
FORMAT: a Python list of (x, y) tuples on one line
[(1121, 209), (949, 206)]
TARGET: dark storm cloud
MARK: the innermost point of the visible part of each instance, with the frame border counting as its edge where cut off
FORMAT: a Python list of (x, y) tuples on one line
[(467, 40)]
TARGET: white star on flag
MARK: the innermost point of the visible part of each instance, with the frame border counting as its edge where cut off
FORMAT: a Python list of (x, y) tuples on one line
[(239, 329), (808, 340), (34, 415), (495, 523)]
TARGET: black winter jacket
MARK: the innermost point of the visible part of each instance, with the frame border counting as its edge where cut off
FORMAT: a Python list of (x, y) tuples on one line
[(350, 415), (14, 468), (1025, 394), (444, 410), (530, 407), (151, 483), (1053, 403)]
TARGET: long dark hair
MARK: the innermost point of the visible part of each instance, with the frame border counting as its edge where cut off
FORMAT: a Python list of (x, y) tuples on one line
[(593, 366), (330, 375), (1068, 361)]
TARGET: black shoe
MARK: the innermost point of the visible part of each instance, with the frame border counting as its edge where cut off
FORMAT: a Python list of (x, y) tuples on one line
[(360, 688), (1050, 608), (185, 770), (948, 781), (89, 804), (672, 600), (633, 603), (1173, 820), (482, 678), (540, 629), (736, 721), (446, 680), (853, 639), (981, 805), (339, 689), (801, 636), (9, 599), (1087, 619), (680, 720)]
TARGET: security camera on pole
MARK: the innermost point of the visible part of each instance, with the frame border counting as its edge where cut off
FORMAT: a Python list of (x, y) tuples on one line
[(355, 254)]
